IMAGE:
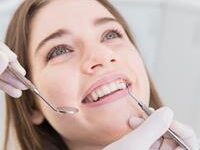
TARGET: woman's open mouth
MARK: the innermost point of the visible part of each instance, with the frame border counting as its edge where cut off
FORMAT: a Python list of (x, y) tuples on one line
[(107, 93)]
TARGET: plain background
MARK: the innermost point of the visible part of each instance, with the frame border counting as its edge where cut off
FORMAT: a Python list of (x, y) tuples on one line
[(168, 35)]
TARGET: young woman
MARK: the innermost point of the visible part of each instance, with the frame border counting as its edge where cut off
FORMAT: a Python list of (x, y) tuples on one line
[(80, 53)]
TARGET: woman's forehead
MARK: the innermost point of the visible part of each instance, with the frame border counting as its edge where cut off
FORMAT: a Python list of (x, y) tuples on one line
[(72, 11), (69, 14)]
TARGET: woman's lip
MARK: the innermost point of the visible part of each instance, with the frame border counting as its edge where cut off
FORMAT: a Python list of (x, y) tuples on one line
[(111, 98), (104, 80)]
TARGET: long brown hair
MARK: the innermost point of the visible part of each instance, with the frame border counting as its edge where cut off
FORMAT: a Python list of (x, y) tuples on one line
[(30, 136)]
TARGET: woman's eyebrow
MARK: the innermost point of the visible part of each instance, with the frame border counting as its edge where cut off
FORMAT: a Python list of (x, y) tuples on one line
[(104, 20), (62, 32), (56, 34)]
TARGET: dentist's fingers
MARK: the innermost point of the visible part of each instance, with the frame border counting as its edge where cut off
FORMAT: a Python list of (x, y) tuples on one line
[(10, 90), (8, 56), (186, 134), (12, 80), (179, 148), (16, 65), (8, 82), (153, 127), (157, 144), (147, 133), (168, 144), (11, 55), (4, 62), (134, 122)]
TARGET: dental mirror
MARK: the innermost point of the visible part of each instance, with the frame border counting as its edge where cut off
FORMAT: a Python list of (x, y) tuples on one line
[(69, 110)]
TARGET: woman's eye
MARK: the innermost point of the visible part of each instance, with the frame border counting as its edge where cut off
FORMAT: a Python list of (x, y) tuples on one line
[(57, 51), (112, 35)]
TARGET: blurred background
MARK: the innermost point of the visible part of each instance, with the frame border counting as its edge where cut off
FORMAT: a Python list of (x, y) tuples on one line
[(168, 35)]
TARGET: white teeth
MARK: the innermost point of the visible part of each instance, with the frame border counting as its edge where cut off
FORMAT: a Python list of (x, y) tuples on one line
[(94, 96), (123, 85), (99, 92), (106, 89), (118, 86), (112, 86)]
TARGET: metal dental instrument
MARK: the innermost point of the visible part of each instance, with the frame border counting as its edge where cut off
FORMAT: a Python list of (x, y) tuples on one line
[(170, 132), (31, 86)]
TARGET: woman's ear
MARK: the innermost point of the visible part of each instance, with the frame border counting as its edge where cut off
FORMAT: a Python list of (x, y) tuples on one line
[(37, 117)]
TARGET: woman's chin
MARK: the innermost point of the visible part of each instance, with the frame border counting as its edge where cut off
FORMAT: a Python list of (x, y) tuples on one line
[(110, 122), (114, 133), (114, 126)]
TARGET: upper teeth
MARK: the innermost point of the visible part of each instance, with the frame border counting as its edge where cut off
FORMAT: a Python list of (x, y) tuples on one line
[(105, 90)]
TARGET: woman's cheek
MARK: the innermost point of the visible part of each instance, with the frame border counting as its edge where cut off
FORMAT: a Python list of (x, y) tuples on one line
[(54, 84), (137, 68)]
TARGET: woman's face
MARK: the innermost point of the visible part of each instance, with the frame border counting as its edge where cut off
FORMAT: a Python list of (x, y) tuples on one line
[(78, 52)]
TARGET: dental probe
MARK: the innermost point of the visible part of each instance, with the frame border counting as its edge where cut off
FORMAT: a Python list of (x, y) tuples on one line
[(31, 86), (169, 131)]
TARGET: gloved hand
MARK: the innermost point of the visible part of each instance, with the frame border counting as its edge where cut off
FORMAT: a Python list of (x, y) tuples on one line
[(147, 133), (9, 83), (185, 133)]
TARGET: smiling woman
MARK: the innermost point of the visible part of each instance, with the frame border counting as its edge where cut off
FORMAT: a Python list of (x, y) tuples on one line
[(84, 57)]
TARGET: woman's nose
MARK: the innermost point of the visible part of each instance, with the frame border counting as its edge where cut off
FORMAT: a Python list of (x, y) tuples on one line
[(97, 58)]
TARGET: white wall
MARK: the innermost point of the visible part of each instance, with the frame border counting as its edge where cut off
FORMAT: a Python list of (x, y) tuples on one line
[(176, 70), (7, 8), (168, 34)]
